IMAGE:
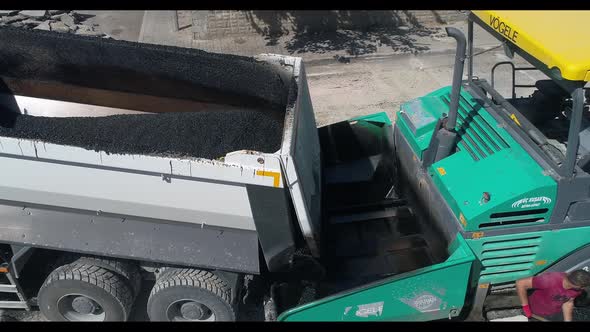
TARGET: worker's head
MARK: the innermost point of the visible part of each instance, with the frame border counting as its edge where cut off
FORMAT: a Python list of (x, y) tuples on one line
[(578, 279)]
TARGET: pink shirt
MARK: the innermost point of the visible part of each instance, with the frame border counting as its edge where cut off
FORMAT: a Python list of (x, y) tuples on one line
[(549, 293)]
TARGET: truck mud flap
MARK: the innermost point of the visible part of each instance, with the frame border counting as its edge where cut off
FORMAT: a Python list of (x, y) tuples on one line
[(430, 293)]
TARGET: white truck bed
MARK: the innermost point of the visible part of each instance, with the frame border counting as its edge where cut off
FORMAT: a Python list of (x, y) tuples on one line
[(190, 211)]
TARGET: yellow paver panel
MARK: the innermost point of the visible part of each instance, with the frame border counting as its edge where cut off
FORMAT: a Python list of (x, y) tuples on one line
[(558, 38)]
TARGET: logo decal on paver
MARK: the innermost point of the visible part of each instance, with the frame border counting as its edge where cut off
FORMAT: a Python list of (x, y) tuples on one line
[(503, 28), (531, 202), (424, 302), (366, 310)]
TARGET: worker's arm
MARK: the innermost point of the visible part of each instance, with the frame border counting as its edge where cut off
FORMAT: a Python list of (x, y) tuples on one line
[(522, 285), (568, 310)]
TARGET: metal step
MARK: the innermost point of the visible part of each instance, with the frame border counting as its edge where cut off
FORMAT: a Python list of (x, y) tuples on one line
[(12, 287), (8, 289), (14, 305), (366, 216), (370, 211), (501, 301), (503, 288)]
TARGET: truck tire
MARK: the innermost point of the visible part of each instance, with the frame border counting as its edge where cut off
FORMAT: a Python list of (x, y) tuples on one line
[(190, 295), (127, 270), (84, 292)]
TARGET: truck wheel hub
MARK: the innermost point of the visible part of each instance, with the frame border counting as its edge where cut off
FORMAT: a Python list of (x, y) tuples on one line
[(194, 311), (83, 305)]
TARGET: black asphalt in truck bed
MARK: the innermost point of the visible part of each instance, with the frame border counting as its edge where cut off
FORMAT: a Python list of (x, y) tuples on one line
[(189, 134), (146, 69)]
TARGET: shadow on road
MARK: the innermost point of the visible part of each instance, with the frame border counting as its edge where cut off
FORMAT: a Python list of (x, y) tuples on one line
[(354, 32)]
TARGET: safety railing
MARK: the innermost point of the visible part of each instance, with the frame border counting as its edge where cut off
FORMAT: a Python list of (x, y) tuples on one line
[(514, 70)]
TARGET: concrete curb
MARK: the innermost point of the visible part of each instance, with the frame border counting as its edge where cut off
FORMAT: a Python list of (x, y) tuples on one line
[(378, 56), (142, 30)]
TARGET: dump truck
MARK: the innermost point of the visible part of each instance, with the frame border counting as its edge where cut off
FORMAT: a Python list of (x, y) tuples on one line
[(129, 163)]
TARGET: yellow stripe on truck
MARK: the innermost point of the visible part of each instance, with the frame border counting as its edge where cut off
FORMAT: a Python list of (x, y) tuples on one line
[(275, 175)]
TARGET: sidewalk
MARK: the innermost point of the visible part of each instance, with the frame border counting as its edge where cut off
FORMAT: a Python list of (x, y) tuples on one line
[(158, 28), (372, 46)]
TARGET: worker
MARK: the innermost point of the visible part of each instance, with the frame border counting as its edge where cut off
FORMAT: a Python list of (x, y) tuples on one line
[(553, 294)]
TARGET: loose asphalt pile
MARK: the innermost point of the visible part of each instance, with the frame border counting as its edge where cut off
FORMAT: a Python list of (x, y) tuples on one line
[(67, 21), (188, 134), (147, 69)]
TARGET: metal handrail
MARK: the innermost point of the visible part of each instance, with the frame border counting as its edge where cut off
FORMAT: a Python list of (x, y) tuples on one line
[(514, 69)]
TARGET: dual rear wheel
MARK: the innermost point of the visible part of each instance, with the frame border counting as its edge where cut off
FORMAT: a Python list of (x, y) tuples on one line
[(100, 290), (85, 292), (190, 295)]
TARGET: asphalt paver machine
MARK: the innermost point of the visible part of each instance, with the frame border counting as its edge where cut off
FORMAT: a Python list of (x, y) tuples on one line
[(503, 180)]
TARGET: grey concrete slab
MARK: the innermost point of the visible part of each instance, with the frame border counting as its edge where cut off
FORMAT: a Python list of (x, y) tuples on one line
[(158, 27), (43, 26), (59, 27), (13, 18), (119, 24), (34, 13), (8, 12)]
